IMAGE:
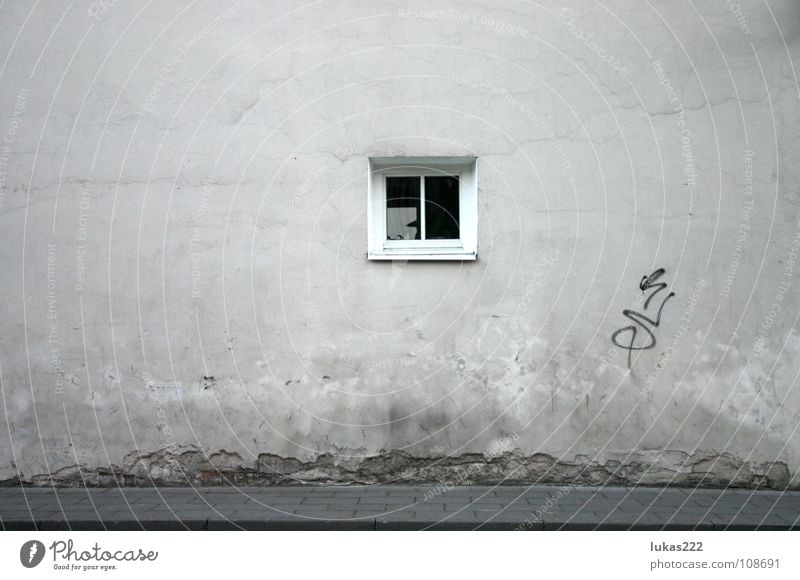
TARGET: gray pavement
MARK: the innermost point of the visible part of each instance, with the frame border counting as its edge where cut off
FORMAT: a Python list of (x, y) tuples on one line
[(397, 508)]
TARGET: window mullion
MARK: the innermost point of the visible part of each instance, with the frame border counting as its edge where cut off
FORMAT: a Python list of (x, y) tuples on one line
[(422, 206), (384, 205)]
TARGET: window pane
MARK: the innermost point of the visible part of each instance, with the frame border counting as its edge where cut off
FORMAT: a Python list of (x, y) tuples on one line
[(441, 208), (402, 208)]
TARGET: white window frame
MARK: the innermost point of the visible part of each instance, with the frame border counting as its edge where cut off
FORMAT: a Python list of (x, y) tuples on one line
[(464, 248)]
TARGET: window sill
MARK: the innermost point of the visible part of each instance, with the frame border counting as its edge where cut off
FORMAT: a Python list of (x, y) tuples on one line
[(424, 254)]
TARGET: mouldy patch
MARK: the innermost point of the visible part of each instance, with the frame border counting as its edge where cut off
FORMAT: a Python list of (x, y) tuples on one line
[(194, 467)]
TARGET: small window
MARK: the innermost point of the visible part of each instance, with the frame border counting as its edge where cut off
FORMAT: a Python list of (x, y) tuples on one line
[(422, 208)]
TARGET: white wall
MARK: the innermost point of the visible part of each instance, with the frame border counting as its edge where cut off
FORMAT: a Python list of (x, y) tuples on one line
[(184, 196)]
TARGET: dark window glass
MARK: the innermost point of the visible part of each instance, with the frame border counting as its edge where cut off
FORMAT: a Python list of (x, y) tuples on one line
[(441, 208), (403, 208)]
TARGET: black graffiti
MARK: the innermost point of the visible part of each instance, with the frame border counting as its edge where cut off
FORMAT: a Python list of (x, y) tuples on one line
[(640, 321)]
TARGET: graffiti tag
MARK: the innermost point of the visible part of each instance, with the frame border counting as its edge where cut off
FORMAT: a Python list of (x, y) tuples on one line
[(626, 337)]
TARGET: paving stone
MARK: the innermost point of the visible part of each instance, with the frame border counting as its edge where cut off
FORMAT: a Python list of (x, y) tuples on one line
[(382, 507)]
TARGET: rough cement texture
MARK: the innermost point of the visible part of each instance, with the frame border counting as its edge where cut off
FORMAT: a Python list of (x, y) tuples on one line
[(186, 293), (396, 467)]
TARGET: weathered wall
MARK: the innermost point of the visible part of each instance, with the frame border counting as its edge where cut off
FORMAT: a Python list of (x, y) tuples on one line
[(186, 292)]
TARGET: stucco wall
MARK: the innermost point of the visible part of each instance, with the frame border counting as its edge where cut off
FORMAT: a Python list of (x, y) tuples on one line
[(184, 264)]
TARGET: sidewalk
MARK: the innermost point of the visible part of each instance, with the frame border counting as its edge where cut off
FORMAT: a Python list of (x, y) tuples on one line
[(397, 508)]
